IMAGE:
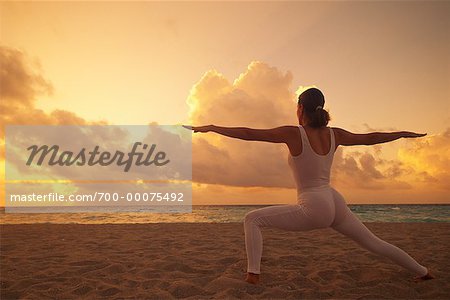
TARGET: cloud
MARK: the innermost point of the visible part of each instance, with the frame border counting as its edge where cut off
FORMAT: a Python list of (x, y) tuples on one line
[(429, 159), (22, 82), (259, 98), (20, 79), (420, 163), (366, 170)]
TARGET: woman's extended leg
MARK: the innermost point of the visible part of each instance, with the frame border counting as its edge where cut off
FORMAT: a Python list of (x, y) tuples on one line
[(353, 228)]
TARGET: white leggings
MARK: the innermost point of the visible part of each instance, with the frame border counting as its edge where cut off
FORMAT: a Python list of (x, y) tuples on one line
[(319, 207)]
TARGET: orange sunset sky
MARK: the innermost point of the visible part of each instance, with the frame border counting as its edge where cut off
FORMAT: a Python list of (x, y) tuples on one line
[(382, 66)]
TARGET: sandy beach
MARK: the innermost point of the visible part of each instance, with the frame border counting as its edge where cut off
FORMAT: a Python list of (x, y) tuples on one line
[(208, 261)]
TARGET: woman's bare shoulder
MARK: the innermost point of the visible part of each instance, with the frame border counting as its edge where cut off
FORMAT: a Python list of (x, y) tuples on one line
[(340, 131)]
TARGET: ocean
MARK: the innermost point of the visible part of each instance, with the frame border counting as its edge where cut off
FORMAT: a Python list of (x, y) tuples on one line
[(229, 213)]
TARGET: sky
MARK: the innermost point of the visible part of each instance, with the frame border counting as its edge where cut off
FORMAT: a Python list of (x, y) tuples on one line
[(382, 66)]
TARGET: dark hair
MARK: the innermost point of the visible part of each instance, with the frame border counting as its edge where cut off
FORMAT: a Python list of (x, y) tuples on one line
[(313, 101)]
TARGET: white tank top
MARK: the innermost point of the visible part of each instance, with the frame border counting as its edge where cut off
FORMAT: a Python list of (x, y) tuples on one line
[(309, 168)]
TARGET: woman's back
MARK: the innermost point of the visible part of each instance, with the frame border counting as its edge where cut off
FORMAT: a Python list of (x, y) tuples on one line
[(312, 167)]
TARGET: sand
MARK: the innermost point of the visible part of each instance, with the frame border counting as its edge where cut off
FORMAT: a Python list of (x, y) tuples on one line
[(208, 261)]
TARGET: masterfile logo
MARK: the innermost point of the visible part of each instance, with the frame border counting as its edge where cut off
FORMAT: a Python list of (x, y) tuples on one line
[(91, 158), (72, 167)]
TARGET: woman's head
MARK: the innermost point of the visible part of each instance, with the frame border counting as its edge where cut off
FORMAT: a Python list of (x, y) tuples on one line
[(310, 109)]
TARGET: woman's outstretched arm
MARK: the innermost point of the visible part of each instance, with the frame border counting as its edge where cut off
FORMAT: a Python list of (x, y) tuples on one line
[(346, 138), (280, 134)]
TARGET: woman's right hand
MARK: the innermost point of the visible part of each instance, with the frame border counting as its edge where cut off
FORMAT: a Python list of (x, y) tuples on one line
[(205, 128), (409, 134)]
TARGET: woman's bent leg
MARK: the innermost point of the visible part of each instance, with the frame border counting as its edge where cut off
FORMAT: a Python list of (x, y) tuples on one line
[(287, 217), (353, 228)]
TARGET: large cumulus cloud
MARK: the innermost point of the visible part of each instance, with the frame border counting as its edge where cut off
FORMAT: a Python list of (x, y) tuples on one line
[(259, 98)]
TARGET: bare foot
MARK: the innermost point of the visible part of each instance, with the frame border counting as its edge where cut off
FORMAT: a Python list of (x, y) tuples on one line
[(428, 276), (252, 278)]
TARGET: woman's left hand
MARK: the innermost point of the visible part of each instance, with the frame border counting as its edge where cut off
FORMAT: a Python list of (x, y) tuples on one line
[(205, 128)]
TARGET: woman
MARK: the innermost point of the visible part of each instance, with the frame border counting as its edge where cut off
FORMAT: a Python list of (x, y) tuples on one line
[(312, 146)]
